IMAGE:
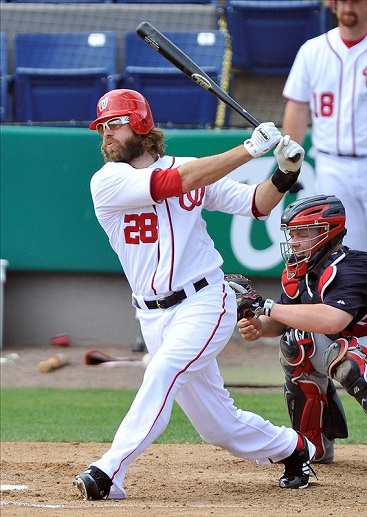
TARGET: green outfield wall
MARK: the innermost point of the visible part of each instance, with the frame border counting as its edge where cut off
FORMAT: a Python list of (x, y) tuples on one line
[(47, 218)]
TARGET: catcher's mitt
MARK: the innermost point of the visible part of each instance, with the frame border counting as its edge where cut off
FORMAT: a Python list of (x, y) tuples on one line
[(248, 300)]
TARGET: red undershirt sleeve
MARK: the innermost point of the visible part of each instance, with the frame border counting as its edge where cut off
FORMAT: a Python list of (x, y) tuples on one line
[(165, 183), (255, 212)]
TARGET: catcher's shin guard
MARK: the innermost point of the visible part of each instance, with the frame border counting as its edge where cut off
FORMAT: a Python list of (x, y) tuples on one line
[(306, 407), (347, 364)]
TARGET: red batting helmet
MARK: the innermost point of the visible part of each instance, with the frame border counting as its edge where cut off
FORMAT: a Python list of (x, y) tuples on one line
[(125, 102), (326, 213)]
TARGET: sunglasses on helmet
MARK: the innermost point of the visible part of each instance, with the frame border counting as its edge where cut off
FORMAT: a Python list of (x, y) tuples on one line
[(113, 124)]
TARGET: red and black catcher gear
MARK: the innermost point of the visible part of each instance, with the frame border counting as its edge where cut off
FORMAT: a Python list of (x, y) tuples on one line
[(327, 214)]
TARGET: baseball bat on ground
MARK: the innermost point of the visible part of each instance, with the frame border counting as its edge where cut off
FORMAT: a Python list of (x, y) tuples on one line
[(180, 60), (54, 362), (97, 358)]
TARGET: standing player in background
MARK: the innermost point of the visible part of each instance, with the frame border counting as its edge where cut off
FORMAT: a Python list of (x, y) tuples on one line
[(329, 78), (150, 206), (322, 318)]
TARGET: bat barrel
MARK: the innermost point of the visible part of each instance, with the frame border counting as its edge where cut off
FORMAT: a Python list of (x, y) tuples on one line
[(180, 60)]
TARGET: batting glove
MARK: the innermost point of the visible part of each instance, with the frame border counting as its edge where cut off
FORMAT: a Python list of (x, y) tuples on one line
[(264, 137), (284, 151)]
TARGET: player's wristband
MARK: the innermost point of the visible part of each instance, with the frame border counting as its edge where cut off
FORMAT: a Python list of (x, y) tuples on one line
[(283, 182), (265, 310)]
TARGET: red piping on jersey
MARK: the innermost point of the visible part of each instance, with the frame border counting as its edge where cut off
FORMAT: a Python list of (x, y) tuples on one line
[(340, 87), (353, 111), (353, 129), (181, 372), (158, 257), (154, 192), (172, 236), (155, 272)]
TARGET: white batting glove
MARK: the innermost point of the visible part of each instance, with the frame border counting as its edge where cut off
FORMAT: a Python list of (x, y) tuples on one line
[(264, 137), (284, 151)]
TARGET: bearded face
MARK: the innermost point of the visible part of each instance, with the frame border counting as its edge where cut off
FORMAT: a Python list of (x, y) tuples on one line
[(346, 13), (348, 19), (114, 151)]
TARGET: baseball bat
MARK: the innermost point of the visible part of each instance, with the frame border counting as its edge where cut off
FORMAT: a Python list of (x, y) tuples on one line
[(97, 358), (180, 60), (94, 357), (54, 362)]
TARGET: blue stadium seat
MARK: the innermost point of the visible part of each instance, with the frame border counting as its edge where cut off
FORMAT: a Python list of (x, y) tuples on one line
[(61, 1), (60, 77), (4, 78), (163, 1), (176, 100), (266, 35)]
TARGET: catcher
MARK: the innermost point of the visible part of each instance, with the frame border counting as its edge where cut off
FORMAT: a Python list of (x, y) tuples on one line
[(321, 317)]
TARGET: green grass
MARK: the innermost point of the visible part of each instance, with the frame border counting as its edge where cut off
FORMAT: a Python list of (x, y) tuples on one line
[(60, 415)]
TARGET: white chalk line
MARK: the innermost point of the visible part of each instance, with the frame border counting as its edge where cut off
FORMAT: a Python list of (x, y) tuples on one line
[(13, 487), (121, 504), (104, 504)]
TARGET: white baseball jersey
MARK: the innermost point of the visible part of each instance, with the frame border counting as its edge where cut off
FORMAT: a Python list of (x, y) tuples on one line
[(332, 78), (162, 246)]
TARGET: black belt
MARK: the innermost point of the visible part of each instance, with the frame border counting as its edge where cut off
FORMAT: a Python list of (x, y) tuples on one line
[(174, 298), (344, 155)]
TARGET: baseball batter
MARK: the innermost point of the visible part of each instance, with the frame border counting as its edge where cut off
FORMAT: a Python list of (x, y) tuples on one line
[(150, 206), (329, 78)]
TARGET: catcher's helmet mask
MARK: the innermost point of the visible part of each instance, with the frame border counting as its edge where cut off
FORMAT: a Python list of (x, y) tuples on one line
[(327, 214), (117, 103)]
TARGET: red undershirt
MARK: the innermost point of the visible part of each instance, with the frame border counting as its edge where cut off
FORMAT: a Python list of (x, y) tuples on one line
[(351, 44)]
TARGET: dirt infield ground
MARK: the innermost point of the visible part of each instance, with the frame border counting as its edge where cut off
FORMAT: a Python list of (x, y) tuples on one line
[(167, 480), (179, 481)]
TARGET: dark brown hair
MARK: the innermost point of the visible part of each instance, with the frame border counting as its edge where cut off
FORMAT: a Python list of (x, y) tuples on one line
[(154, 142)]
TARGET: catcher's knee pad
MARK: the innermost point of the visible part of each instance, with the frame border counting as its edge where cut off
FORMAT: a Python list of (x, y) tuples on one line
[(306, 406), (296, 349), (348, 365)]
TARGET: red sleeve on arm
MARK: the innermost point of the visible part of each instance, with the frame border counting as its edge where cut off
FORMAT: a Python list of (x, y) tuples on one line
[(255, 212), (166, 183)]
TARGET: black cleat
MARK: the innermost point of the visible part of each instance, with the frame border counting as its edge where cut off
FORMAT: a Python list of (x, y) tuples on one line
[(93, 484), (297, 467)]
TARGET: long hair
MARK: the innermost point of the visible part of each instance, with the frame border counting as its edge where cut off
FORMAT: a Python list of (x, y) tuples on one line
[(154, 142)]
